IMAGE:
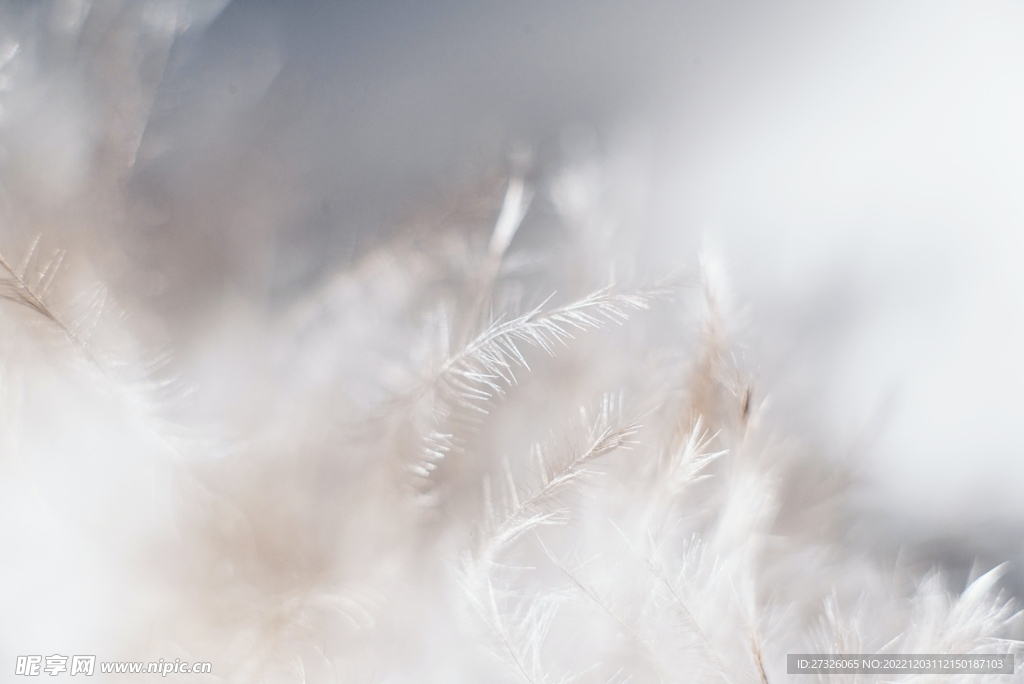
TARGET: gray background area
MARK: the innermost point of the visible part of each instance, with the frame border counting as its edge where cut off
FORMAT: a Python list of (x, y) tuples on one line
[(856, 169)]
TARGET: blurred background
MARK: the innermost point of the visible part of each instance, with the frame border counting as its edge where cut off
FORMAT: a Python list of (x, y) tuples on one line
[(855, 170)]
